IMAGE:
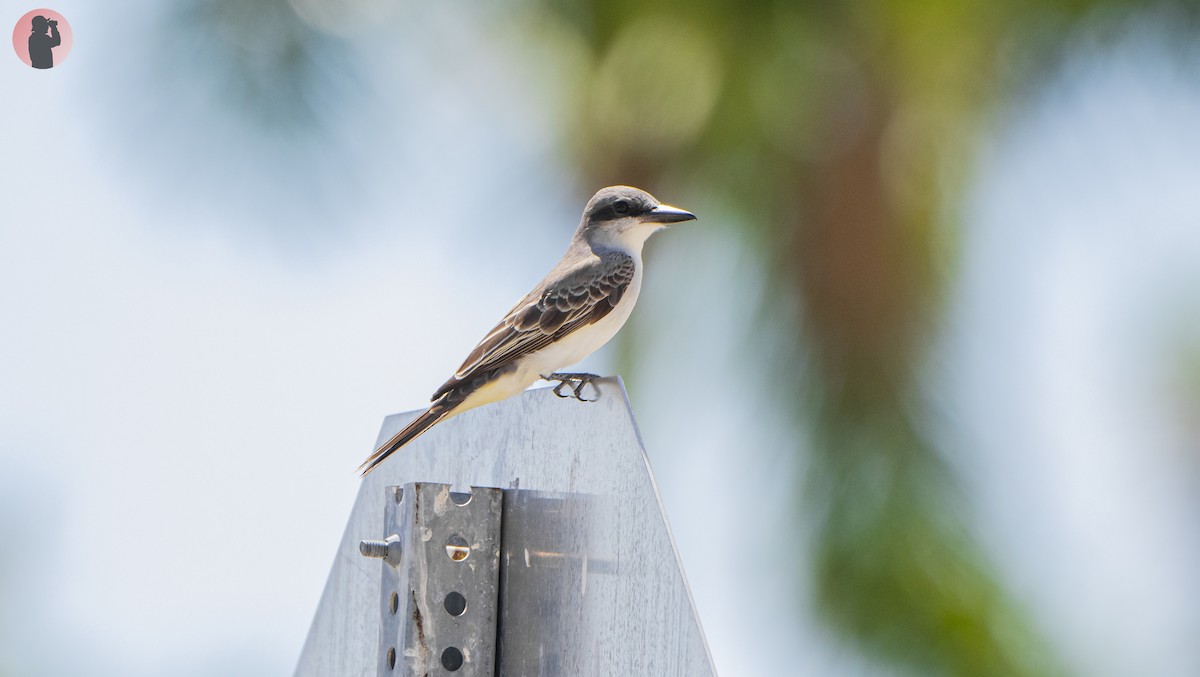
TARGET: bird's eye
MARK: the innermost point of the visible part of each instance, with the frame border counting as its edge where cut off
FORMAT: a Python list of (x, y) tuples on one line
[(621, 206)]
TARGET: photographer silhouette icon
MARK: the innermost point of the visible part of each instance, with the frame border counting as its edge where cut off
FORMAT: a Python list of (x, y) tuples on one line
[(42, 38)]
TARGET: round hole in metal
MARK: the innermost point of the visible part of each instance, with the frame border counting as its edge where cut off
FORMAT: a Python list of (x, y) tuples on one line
[(455, 603), (452, 659), (457, 548)]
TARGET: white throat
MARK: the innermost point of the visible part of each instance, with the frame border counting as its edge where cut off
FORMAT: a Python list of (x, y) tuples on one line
[(627, 235)]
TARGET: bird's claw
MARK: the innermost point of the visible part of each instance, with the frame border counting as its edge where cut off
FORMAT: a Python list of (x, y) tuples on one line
[(577, 381)]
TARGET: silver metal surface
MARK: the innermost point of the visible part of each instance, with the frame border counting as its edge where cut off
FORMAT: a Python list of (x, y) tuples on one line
[(591, 580), (437, 604)]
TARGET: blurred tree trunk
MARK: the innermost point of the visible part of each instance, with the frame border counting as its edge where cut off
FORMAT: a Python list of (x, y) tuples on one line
[(896, 569)]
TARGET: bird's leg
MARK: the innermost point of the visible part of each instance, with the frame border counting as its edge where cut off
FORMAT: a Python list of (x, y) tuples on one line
[(577, 380), (578, 391)]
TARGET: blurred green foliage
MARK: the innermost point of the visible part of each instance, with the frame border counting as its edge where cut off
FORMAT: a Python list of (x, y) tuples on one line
[(840, 133)]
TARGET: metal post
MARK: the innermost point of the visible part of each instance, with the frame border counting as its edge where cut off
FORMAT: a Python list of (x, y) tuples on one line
[(591, 583), (438, 592)]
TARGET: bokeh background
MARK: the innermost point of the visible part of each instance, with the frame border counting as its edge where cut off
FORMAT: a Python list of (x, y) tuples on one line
[(921, 388)]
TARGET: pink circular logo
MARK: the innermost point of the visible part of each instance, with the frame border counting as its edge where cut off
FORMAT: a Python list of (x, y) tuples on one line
[(42, 38)]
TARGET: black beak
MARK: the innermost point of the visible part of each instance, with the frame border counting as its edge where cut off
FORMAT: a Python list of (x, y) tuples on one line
[(668, 214)]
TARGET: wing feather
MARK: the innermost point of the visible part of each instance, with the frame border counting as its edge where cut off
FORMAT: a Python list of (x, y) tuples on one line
[(552, 318)]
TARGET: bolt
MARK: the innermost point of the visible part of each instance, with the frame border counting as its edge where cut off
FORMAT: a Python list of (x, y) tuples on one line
[(389, 549), (373, 548)]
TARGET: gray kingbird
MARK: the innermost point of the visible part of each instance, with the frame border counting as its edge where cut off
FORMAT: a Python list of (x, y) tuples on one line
[(574, 310)]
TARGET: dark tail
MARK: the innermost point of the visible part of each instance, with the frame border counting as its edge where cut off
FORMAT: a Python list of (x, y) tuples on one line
[(409, 433)]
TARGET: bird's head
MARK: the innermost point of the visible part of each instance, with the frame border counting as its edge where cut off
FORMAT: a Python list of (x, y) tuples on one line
[(623, 217)]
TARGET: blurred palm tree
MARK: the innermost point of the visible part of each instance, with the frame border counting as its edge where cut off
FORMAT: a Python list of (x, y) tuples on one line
[(839, 134)]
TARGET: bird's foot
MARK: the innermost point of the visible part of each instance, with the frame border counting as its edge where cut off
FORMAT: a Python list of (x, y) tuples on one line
[(577, 382)]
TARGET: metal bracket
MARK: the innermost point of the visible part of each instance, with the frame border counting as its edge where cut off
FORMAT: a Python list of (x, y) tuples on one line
[(438, 593), (557, 550)]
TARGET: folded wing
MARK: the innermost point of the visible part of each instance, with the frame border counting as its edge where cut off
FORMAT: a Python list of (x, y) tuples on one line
[(580, 297)]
